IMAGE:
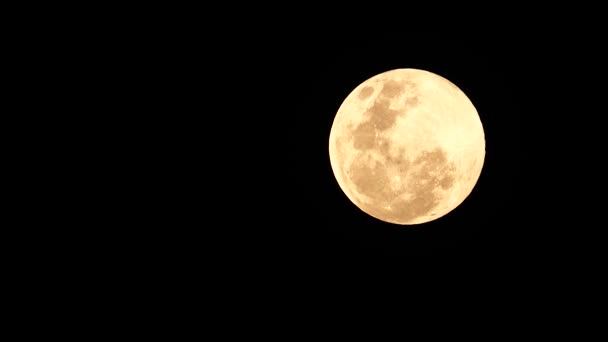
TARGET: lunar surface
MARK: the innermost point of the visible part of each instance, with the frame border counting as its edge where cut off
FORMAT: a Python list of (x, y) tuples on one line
[(407, 146)]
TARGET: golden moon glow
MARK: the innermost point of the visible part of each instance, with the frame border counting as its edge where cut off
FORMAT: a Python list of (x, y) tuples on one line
[(407, 146)]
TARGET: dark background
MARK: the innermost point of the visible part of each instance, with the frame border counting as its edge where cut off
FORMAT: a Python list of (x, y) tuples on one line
[(211, 185), (194, 163), (310, 220), (237, 182)]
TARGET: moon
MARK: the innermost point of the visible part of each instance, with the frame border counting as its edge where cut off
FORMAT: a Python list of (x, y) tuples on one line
[(407, 146)]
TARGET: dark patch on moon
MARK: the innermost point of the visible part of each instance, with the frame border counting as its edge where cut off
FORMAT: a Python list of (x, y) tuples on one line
[(446, 181), (364, 136), (392, 88), (425, 172), (365, 92), (370, 180), (380, 117), (411, 101)]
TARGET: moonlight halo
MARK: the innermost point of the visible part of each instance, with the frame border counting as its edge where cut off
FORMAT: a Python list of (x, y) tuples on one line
[(407, 146)]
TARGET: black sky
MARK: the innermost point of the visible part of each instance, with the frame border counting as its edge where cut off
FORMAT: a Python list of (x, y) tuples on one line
[(320, 223), (230, 195), (211, 180), (277, 209)]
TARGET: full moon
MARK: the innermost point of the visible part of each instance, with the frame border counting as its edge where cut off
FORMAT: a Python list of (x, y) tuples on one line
[(407, 146)]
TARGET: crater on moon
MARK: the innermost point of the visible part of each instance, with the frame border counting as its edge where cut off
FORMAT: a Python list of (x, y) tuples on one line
[(399, 153)]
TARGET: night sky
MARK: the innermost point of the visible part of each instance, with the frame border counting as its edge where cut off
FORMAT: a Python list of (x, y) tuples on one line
[(239, 195), (277, 210), (210, 193), (323, 224)]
